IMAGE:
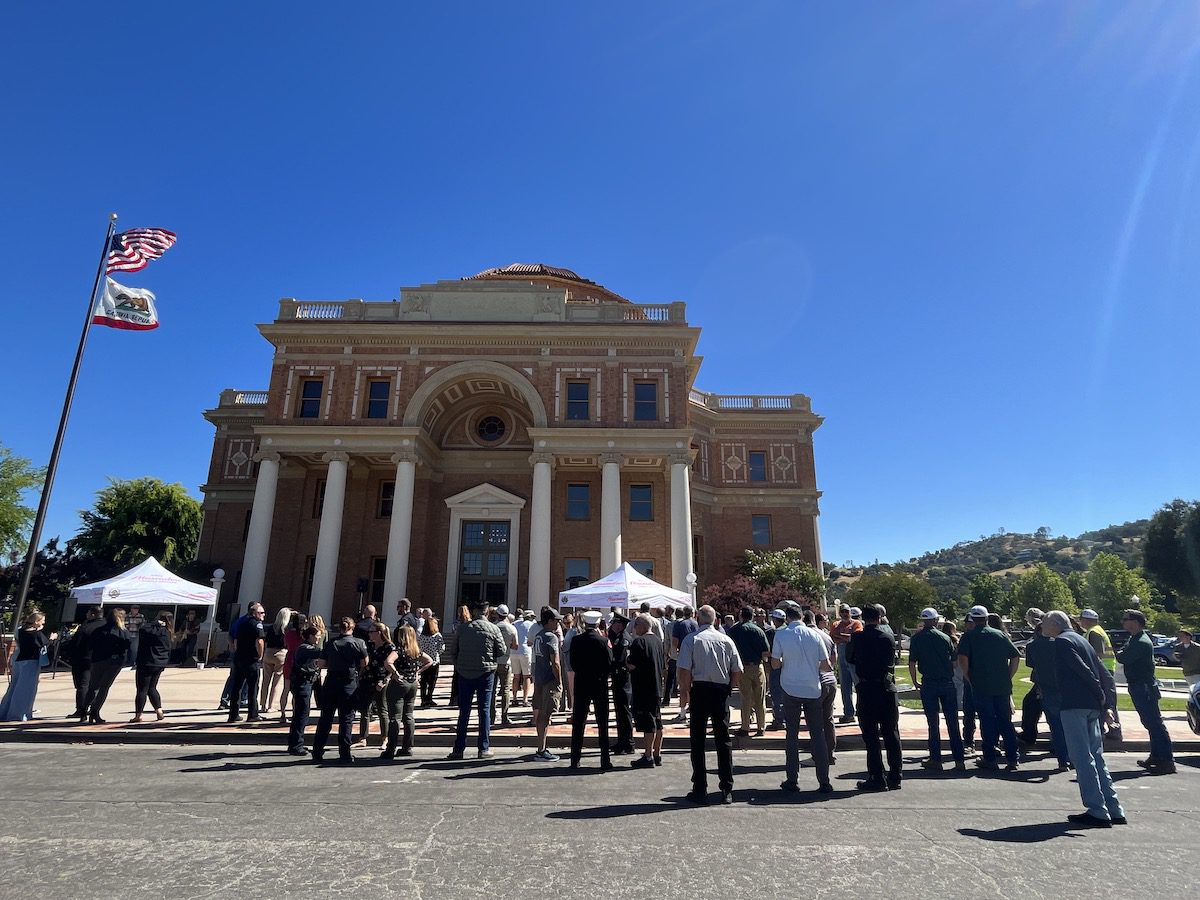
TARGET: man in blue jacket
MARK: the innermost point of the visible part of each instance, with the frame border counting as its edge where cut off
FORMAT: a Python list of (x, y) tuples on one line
[(1085, 690)]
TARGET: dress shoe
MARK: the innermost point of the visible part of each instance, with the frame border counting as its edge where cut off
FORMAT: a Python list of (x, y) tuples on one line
[(932, 765), (657, 760), (1087, 820), (872, 784), (825, 788), (759, 733), (1119, 820), (727, 798), (255, 719), (742, 732), (960, 766), (300, 752), (607, 766), (388, 753), (96, 720), (790, 787), (842, 720), (233, 719), (642, 762), (403, 752), (987, 764), (457, 754), (893, 784), (697, 797)]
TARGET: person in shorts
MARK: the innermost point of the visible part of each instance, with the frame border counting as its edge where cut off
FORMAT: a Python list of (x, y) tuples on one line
[(645, 665), (547, 678)]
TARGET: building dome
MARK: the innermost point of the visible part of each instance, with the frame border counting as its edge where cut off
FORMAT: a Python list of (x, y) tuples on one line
[(579, 289)]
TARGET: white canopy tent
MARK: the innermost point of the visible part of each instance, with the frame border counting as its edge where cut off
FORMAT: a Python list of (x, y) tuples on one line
[(146, 584), (626, 588)]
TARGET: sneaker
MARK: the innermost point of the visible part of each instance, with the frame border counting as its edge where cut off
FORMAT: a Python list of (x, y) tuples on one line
[(842, 720), (545, 756), (893, 784), (484, 754), (642, 762), (298, 752), (680, 719), (1162, 768), (1011, 767), (1087, 820), (1119, 820), (658, 760), (872, 784), (727, 798)]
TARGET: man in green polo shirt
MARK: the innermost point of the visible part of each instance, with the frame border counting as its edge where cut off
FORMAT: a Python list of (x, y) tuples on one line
[(1138, 659), (989, 661), (931, 653)]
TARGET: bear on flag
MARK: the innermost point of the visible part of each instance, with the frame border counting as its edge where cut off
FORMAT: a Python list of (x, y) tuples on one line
[(125, 307)]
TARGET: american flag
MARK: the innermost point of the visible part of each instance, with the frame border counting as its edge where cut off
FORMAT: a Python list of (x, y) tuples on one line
[(132, 250)]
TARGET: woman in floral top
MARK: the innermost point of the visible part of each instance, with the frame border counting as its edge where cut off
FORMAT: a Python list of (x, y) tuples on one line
[(404, 664), (432, 642)]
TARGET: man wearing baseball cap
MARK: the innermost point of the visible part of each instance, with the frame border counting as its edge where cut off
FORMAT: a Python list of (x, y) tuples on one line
[(1138, 659), (1089, 621), (499, 618), (774, 689), (843, 629), (931, 653), (989, 661)]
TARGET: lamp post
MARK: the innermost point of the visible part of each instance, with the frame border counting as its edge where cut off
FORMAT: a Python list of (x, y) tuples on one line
[(218, 579), (691, 583)]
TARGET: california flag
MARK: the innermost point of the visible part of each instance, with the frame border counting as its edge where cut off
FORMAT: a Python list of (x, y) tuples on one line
[(125, 307)]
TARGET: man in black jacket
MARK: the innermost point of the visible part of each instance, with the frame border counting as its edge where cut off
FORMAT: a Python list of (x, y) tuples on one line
[(872, 652), (591, 661), (619, 640), (80, 654)]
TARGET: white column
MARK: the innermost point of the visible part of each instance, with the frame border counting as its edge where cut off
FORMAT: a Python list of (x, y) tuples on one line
[(610, 513), (681, 521), (329, 539), (539, 531), (258, 538), (395, 577)]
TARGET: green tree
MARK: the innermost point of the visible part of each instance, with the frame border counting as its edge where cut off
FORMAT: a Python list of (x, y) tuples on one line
[(1111, 585), (1163, 622), (1042, 588), (788, 567), (987, 591), (17, 475), (136, 519), (1171, 554), (1077, 584), (903, 594)]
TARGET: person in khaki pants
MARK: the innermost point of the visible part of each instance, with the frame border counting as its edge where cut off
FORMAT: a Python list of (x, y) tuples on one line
[(273, 660), (754, 651)]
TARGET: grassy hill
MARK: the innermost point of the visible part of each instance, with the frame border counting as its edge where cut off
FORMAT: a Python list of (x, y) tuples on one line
[(1006, 556)]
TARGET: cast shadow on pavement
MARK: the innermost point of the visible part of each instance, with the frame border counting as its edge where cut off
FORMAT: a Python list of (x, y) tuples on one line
[(1025, 834), (619, 811)]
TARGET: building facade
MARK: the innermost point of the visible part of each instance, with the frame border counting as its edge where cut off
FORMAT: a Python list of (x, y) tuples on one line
[(504, 436)]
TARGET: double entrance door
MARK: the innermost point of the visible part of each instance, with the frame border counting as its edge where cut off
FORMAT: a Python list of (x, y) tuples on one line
[(483, 563)]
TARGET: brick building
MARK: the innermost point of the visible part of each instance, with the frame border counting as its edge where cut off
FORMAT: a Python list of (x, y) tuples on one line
[(504, 436)]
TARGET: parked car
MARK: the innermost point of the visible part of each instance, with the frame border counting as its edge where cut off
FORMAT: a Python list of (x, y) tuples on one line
[(1164, 653), (1193, 708), (1119, 638)]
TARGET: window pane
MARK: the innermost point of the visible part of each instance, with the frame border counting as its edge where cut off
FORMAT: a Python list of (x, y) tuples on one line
[(758, 466), (473, 534), (377, 399), (498, 533), (645, 566), (495, 593), (472, 563), (310, 399), (378, 573), (469, 592), (578, 400), (497, 565), (641, 505), (645, 401), (761, 528), (578, 572), (387, 492), (579, 501)]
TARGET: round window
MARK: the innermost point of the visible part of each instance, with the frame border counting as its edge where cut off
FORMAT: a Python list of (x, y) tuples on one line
[(490, 429)]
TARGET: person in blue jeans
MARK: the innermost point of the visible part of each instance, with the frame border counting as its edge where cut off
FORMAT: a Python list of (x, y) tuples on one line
[(989, 661), (1085, 691), (849, 622), (931, 653), (1138, 659), (1040, 657), (476, 648), (774, 685)]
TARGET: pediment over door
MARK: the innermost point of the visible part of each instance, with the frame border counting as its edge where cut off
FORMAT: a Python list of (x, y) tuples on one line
[(485, 495)]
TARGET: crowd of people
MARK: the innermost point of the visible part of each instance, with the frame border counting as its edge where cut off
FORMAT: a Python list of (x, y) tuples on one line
[(613, 668)]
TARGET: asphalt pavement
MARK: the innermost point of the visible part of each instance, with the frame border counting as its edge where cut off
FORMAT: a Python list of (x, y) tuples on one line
[(186, 823)]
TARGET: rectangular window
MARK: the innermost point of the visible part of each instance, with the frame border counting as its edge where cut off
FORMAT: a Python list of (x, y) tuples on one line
[(319, 499), (578, 572), (698, 553), (758, 465), (387, 492), (310, 399), (645, 401), (645, 566), (579, 404), (760, 527), (641, 503), (579, 501), (377, 399), (378, 574), (310, 569)]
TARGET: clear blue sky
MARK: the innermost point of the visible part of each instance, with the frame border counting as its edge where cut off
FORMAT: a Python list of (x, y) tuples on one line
[(968, 231)]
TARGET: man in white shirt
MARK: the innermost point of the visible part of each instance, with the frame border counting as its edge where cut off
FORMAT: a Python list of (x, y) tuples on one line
[(709, 669), (520, 660), (655, 620), (801, 657)]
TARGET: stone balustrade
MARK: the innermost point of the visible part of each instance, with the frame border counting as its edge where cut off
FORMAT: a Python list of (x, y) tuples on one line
[(392, 311), (785, 402)]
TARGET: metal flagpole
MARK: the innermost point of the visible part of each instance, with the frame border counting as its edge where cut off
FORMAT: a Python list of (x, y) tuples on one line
[(52, 466)]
